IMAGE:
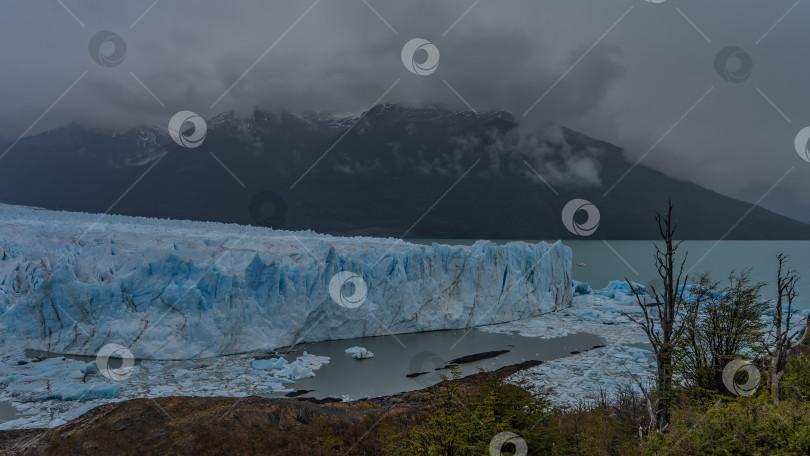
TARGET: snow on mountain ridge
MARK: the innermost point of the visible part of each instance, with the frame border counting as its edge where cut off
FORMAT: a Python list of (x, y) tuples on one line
[(71, 283)]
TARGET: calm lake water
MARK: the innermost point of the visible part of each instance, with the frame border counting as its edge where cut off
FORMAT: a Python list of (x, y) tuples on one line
[(397, 356), (616, 260)]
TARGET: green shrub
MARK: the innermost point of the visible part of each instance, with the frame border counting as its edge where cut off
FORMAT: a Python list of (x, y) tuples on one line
[(752, 426), (795, 383), (463, 422)]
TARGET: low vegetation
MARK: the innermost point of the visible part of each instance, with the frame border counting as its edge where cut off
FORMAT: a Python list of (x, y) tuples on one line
[(701, 423)]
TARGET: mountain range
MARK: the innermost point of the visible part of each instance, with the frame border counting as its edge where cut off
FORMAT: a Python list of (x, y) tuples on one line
[(415, 172)]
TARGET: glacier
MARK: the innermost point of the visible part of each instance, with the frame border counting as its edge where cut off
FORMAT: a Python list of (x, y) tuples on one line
[(71, 283)]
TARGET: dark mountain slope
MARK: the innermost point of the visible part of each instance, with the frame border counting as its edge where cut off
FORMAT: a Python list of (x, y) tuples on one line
[(379, 177)]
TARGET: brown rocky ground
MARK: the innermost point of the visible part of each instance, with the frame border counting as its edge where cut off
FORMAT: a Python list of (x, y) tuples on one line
[(226, 426)]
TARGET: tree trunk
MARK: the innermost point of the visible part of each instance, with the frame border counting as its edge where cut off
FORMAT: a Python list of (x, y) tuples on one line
[(777, 379), (664, 387), (774, 373)]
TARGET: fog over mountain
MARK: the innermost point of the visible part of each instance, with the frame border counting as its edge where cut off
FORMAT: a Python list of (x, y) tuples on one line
[(419, 172), (640, 75)]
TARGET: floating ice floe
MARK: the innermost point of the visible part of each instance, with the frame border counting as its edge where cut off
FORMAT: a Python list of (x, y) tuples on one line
[(359, 353), (52, 391), (624, 361), (50, 379)]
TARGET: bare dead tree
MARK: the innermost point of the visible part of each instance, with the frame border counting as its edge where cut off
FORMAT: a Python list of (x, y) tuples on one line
[(665, 326), (650, 402), (788, 331)]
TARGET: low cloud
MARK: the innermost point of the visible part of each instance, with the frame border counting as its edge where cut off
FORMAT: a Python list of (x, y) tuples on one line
[(625, 81)]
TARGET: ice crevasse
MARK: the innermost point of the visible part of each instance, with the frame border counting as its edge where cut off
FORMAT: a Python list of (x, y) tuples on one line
[(71, 283)]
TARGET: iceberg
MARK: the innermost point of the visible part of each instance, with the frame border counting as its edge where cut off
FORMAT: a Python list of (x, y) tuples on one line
[(267, 364), (47, 392), (359, 353), (303, 367), (581, 288), (618, 289), (50, 379), (82, 391), (621, 362), (71, 283)]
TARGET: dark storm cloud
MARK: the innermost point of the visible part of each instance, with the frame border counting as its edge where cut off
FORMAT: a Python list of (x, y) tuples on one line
[(339, 57), (629, 89)]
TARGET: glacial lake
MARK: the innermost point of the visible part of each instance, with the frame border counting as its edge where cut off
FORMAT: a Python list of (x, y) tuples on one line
[(615, 260), (395, 357)]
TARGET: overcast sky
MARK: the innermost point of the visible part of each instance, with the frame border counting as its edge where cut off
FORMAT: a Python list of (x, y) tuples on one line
[(649, 70)]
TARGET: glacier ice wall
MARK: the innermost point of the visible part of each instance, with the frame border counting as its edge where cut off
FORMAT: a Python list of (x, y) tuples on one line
[(71, 283)]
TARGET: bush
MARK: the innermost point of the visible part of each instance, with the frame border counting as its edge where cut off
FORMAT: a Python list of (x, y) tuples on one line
[(461, 422), (795, 383), (752, 426), (723, 324)]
